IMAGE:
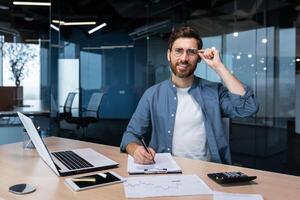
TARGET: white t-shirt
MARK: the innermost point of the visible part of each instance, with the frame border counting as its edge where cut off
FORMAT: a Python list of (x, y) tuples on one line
[(189, 137)]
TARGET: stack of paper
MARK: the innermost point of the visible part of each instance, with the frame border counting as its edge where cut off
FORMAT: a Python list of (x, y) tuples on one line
[(164, 163), (236, 196)]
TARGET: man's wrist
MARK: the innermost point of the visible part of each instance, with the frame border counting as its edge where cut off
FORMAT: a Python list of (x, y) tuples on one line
[(131, 147), (220, 69)]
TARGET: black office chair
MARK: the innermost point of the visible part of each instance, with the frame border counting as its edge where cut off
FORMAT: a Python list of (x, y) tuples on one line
[(67, 110), (88, 115)]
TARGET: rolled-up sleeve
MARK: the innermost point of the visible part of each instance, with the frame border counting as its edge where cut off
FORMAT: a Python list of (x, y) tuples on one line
[(138, 124), (234, 105)]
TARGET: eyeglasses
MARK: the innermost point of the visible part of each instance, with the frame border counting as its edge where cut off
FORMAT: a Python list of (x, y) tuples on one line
[(177, 52)]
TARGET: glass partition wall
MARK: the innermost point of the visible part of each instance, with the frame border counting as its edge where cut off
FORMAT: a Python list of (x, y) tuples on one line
[(24, 39), (260, 50), (257, 40), (24, 67)]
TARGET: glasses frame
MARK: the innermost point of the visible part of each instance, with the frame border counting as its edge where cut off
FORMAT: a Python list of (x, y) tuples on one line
[(191, 52)]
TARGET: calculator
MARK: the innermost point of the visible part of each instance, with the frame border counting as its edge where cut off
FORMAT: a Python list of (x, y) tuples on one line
[(230, 177)]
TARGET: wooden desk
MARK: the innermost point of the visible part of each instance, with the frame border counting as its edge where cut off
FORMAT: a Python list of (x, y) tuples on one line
[(24, 166)]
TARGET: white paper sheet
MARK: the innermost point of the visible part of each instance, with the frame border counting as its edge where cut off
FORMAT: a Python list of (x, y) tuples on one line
[(164, 162), (165, 185), (236, 196)]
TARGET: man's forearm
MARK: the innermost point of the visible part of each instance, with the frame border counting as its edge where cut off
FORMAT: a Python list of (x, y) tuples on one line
[(231, 82)]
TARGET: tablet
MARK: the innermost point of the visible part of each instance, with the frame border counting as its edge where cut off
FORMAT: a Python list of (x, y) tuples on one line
[(94, 180)]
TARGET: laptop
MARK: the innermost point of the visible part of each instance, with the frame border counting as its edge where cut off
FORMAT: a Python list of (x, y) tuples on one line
[(70, 162)]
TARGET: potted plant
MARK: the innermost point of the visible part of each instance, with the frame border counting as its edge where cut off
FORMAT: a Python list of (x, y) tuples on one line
[(18, 55)]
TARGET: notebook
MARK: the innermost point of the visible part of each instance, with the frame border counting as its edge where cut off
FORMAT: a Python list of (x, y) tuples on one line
[(164, 163), (68, 162)]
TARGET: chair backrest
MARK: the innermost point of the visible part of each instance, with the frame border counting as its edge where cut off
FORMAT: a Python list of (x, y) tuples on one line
[(94, 105), (226, 126), (69, 102)]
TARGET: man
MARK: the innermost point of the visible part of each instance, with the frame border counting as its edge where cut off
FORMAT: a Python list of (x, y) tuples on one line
[(185, 112)]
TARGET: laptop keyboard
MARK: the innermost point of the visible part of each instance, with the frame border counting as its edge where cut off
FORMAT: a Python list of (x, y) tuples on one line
[(71, 160)]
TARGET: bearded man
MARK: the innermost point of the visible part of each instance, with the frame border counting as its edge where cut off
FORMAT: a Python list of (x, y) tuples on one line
[(186, 112)]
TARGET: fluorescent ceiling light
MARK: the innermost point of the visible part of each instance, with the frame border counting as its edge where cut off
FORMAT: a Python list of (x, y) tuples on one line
[(236, 34), (264, 40), (97, 28), (54, 27), (109, 47), (3, 7), (63, 23), (78, 23), (27, 3), (57, 21), (28, 18), (37, 40)]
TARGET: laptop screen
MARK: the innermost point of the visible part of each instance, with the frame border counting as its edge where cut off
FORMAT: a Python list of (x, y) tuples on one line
[(37, 141)]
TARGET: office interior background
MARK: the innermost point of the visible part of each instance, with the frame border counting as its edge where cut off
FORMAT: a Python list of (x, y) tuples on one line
[(259, 42)]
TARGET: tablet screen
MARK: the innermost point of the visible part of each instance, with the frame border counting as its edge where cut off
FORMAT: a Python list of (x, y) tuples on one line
[(96, 179)]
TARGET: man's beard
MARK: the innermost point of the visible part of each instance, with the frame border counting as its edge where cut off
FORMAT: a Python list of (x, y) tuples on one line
[(180, 74)]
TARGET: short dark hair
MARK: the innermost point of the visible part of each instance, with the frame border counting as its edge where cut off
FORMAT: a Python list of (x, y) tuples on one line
[(185, 32)]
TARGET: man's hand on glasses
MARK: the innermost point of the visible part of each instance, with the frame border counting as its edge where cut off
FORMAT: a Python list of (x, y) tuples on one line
[(211, 57)]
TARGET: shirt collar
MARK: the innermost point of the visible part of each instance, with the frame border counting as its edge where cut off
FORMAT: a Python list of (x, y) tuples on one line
[(194, 85)]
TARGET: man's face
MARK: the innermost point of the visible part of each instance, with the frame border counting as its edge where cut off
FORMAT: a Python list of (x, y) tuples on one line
[(183, 57)]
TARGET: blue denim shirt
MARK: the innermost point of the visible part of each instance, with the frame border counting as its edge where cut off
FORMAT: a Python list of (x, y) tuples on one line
[(159, 103)]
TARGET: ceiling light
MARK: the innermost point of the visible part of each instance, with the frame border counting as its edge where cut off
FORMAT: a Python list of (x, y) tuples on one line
[(249, 55), (3, 7), (63, 23), (236, 34), (97, 28), (37, 40), (238, 57), (78, 23), (54, 27), (297, 59), (264, 40), (109, 47), (57, 21), (28, 18), (27, 3)]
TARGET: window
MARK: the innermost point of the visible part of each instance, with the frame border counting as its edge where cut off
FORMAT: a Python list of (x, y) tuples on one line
[(24, 59)]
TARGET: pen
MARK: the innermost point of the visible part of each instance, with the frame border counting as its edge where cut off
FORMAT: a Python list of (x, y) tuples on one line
[(144, 145)]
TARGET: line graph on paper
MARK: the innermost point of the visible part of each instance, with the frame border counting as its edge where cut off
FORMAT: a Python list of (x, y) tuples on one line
[(173, 185)]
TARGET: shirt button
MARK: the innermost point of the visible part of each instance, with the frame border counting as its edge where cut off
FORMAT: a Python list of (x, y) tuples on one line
[(174, 85), (168, 149), (175, 98), (169, 131), (172, 115)]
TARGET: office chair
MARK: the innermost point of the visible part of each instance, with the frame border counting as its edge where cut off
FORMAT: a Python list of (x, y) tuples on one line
[(226, 125), (67, 110), (88, 115)]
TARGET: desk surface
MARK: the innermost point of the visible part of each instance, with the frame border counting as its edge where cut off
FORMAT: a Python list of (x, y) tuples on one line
[(24, 166), (30, 107)]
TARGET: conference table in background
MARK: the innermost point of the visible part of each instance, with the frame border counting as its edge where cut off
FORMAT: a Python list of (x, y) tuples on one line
[(29, 107), (25, 166)]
